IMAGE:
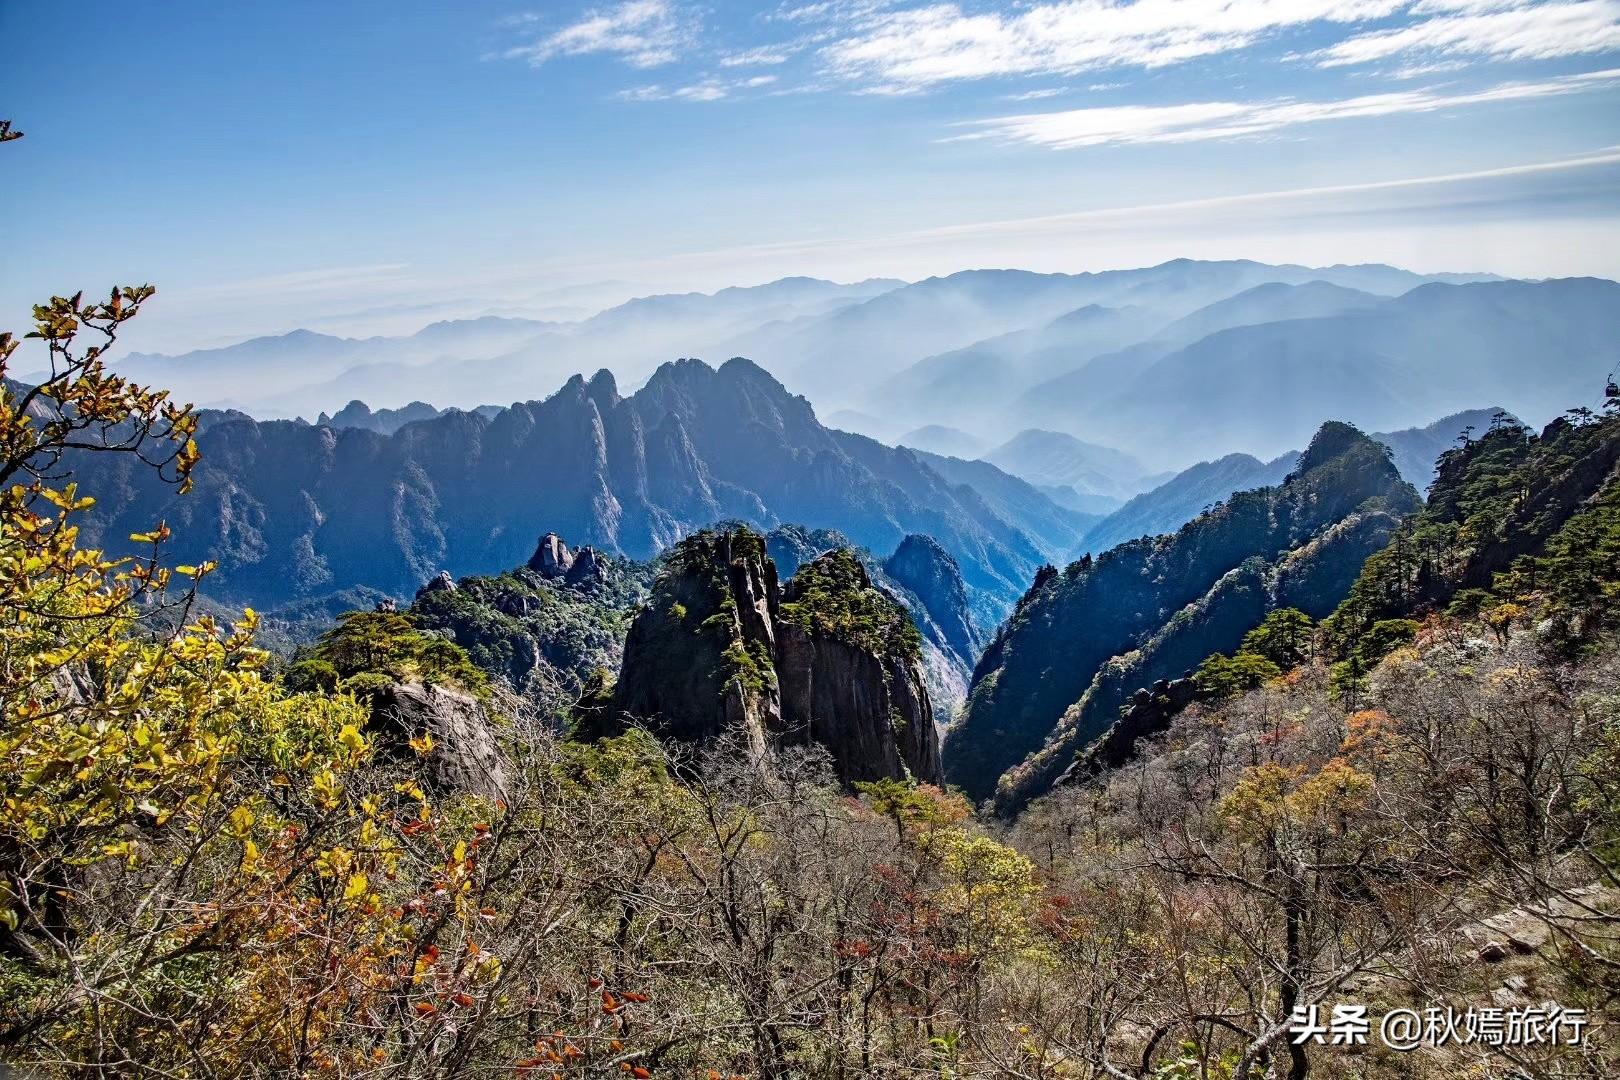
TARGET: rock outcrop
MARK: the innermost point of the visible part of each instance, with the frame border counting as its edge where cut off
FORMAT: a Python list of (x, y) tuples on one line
[(440, 582), (466, 756), (1149, 713), (551, 558), (588, 568), (829, 659)]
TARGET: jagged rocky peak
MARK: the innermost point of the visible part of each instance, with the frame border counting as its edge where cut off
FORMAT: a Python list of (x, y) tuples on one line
[(699, 658), (722, 646), (928, 570), (603, 389), (551, 558)]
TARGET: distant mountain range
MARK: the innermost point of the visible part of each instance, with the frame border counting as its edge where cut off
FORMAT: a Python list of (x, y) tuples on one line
[(292, 511), (1533, 346), (1052, 459), (1233, 356), (357, 414), (470, 362)]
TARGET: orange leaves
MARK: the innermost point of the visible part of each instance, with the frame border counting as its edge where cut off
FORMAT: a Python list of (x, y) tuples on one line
[(1368, 732), (425, 1008)]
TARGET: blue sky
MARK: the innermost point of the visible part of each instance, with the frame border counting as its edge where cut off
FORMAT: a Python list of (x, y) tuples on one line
[(365, 167)]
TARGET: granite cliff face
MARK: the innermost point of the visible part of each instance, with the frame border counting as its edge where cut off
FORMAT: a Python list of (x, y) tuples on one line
[(938, 603), (699, 658), (723, 646)]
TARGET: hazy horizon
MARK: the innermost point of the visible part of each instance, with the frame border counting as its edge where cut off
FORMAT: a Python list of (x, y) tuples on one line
[(360, 169)]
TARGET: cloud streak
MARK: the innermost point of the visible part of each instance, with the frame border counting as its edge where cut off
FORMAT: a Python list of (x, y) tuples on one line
[(643, 33), (709, 89), (1521, 30), (1213, 120), (919, 47), (892, 49)]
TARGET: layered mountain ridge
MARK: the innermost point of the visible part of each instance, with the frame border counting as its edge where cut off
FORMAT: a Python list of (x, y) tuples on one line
[(289, 511), (1301, 540)]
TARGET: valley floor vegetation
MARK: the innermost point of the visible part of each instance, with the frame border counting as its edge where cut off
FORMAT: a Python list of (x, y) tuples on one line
[(210, 867)]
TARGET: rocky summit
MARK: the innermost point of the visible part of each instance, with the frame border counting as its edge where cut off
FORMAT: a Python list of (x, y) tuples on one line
[(723, 646)]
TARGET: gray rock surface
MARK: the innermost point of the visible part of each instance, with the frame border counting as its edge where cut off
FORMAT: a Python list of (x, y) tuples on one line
[(465, 757)]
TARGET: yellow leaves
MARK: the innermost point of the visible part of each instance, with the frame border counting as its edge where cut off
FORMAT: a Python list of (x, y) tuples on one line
[(241, 821), (1338, 787), (67, 499), (422, 744), (123, 849), (327, 789), (351, 739), (986, 885), (158, 535), (357, 886), (250, 855), (334, 862), (1269, 797), (1254, 806)]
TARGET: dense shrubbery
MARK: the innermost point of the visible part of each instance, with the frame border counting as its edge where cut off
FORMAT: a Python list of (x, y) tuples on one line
[(367, 650), (1511, 515), (545, 638), (832, 597)]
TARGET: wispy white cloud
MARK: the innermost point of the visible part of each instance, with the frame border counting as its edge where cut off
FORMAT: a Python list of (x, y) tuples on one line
[(890, 47), (1499, 29), (644, 33), (918, 47), (764, 56), (1036, 95), (1210, 120), (707, 89)]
